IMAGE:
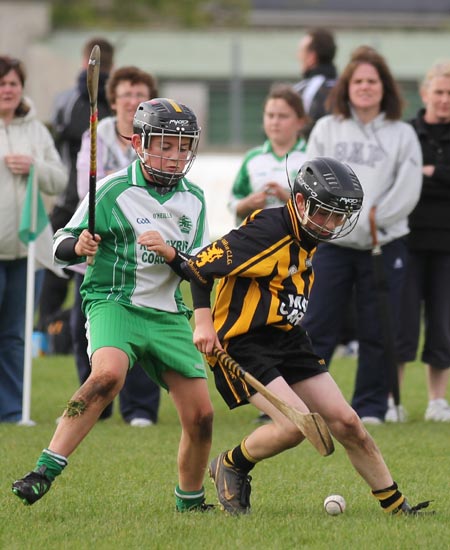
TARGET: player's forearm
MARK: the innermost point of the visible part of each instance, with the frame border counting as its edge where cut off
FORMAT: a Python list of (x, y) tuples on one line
[(65, 252), (70, 249), (201, 295), (178, 258)]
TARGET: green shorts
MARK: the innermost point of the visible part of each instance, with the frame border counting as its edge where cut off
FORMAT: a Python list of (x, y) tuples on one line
[(158, 340)]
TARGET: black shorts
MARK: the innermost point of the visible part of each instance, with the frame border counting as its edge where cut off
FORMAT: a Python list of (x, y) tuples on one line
[(267, 353)]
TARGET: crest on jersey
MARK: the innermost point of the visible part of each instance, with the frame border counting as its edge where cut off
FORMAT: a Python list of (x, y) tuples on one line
[(185, 224), (208, 256)]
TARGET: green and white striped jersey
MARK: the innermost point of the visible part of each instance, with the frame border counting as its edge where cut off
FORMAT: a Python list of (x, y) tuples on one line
[(261, 166), (126, 206)]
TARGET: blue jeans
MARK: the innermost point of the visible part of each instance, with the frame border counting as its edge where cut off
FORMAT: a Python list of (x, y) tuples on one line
[(338, 271), (13, 283)]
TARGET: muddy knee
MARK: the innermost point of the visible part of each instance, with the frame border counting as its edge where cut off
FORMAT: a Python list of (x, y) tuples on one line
[(205, 427), (97, 390)]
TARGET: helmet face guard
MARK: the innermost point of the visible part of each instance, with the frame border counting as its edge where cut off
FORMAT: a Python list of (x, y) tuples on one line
[(153, 162), (333, 198), (155, 121), (334, 222)]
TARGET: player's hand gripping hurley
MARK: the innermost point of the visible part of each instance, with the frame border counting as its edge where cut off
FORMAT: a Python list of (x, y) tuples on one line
[(93, 72), (312, 425)]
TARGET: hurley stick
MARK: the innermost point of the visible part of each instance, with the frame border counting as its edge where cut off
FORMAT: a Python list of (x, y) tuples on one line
[(93, 72), (385, 314), (312, 425)]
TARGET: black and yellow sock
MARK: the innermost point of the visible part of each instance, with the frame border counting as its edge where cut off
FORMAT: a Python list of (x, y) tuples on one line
[(390, 498), (240, 458), (53, 462), (187, 500)]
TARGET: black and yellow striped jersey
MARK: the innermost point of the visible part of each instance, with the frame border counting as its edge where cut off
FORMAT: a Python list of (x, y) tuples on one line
[(265, 273)]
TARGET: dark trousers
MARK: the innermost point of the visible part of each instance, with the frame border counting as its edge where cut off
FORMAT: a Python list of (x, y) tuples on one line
[(53, 294), (426, 291), (338, 271), (139, 397)]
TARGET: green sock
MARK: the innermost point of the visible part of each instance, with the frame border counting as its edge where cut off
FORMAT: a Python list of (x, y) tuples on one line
[(53, 462), (186, 500)]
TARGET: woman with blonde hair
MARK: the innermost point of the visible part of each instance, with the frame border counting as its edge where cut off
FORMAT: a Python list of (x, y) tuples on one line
[(428, 272)]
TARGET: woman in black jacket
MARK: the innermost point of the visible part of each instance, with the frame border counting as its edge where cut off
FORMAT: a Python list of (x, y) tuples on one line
[(428, 273)]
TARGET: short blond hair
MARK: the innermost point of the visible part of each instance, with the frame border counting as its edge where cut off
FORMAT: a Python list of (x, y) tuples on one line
[(440, 68)]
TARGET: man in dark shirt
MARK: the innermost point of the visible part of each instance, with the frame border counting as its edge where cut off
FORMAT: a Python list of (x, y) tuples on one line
[(316, 53)]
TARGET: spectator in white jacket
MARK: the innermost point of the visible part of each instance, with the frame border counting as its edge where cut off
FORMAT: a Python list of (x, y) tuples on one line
[(365, 131), (24, 141)]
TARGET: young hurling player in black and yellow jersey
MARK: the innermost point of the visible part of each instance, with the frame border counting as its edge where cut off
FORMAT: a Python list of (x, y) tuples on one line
[(265, 276)]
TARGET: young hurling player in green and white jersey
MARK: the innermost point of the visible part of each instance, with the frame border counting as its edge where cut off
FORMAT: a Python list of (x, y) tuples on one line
[(131, 296)]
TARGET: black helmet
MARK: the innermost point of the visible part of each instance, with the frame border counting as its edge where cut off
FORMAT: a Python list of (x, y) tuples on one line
[(331, 187), (165, 117)]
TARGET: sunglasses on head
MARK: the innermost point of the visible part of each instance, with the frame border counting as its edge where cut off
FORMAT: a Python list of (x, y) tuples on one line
[(8, 63)]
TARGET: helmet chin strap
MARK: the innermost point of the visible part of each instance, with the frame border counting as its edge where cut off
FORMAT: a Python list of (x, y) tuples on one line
[(302, 219), (307, 233)]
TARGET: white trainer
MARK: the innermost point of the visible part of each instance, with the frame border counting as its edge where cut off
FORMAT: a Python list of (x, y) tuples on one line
[(371, 420), (141, 422), (395, 414), (438, 410)]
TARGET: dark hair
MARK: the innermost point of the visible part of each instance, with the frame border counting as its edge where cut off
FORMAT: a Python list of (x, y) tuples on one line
[(338, 101), (323, 44), (8, 64), (133, 75), (292, 98), (106, 53)]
